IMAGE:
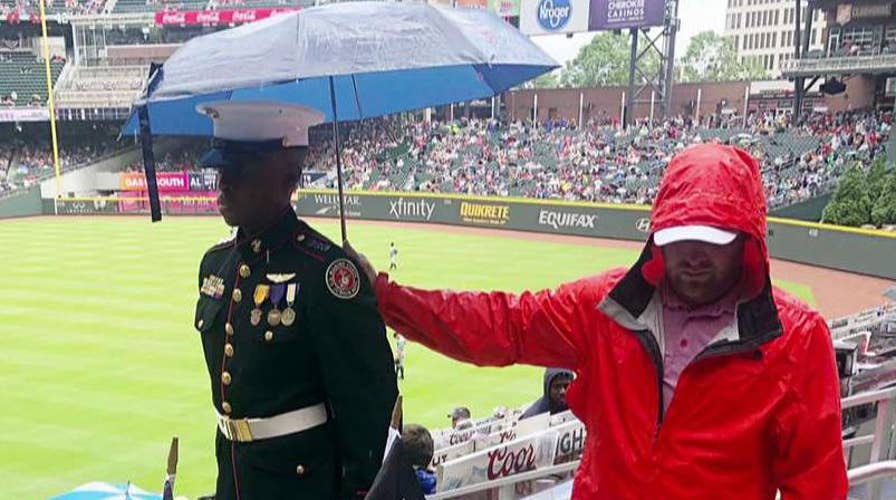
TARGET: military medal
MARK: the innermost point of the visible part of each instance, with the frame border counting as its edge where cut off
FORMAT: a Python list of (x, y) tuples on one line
[(213, 286), (289, 314), (261, 293), (277, 292)]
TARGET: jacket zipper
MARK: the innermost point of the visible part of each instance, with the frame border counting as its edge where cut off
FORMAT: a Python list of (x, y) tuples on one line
[(653, 350), (712, 351)]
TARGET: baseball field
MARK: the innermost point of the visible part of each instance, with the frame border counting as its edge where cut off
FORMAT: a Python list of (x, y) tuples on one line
[(101, 366)]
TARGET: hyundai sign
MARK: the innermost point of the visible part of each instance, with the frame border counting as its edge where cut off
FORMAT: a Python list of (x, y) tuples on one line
[(548, 17)]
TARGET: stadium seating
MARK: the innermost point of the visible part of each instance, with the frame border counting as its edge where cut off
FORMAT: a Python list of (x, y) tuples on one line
[(53, 6), (130, 6), (22, 77), (107, 86)]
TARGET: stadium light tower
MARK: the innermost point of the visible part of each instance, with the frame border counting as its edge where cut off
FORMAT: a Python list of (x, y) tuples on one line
[(801, 48), (660, 84)]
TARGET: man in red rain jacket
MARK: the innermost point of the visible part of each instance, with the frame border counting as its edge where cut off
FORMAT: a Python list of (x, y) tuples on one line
[(696, 378)]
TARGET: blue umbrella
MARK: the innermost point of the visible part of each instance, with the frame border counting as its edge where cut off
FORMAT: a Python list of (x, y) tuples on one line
[(105, 491), (351, 61)]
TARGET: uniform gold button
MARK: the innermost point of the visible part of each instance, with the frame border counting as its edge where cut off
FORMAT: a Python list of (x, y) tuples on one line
[(200, 323), (245, 272), (228, 328), (300, 470), (237, 295), (300, 238), (269, 335), (256, 246), (225, 378), (228, 350), (226, 407)]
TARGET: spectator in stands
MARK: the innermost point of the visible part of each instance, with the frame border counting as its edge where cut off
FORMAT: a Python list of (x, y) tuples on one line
[(418, 451), (458, 416), (700, 378), (556, 382)]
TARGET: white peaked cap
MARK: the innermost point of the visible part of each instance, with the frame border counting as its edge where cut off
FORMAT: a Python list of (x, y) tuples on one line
[(261, 121)]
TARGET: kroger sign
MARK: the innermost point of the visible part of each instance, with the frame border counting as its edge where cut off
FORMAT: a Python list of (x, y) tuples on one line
[(554, 14)]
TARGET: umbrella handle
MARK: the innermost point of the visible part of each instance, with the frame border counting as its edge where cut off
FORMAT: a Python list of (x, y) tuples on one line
[(339, 184)]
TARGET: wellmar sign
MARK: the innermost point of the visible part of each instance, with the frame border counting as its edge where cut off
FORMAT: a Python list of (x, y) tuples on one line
[(330, 204), (564, 220), (420, 209), (480, 213)]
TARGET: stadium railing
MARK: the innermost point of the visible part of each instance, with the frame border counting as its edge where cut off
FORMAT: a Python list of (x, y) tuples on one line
[(880, 464), (863, 64), (861, 321)]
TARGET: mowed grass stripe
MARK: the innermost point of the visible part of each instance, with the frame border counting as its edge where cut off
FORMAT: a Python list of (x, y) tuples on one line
[(102, 365)]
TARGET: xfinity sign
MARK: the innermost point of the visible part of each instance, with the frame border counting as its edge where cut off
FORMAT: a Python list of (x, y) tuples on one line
[(419, 209), (554, 14)]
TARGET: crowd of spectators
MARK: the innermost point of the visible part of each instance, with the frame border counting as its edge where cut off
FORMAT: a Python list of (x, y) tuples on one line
[(31, 7), (181, 159), (598, 162), (26, 157), (556, 160)]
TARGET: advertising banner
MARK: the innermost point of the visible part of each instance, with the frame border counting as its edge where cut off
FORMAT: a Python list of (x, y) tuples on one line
[(552, 17), (216, 17), (24, 114), (168, 181), (525, 454), (84, 207), (623, 14), (207, 180), (485, 214), (195, 204), (505, 8), (812, 244)]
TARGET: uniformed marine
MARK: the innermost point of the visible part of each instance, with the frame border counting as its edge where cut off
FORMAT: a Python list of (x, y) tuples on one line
[(301, 371)]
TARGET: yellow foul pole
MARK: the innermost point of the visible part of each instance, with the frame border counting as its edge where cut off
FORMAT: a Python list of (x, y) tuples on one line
[(50, 104)]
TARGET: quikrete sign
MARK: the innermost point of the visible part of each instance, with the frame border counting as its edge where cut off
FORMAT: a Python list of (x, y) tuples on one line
[(481, 213)]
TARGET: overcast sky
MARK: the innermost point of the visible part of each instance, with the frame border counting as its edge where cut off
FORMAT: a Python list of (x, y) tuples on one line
[(695, 15)]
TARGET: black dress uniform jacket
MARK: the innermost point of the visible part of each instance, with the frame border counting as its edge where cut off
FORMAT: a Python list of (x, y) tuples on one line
[(335, 352)]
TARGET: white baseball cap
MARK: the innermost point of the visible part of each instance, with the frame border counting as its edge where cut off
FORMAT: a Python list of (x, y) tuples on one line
[(707, 234)]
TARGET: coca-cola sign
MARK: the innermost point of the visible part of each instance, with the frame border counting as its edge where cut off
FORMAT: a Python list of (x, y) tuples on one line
[(171, 18), (217, 17), (208, 17)]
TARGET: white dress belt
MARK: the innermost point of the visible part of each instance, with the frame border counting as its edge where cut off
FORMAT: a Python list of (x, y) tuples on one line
[(252, 429)]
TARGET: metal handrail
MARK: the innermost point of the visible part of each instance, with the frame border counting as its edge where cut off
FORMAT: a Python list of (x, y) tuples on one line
[(868, 397), (881, 464), (871, 472)]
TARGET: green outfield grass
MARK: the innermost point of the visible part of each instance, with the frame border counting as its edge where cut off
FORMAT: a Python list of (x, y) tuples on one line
[(100, 364)]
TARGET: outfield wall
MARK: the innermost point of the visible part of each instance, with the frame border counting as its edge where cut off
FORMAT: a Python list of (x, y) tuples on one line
[(854, 250)]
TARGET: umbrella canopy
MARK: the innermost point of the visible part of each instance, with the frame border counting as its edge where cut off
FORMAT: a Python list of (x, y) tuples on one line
[(105, 491), (350, 60), (379, 57)]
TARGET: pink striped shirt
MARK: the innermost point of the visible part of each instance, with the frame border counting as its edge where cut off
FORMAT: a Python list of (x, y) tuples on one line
[(688, 330)]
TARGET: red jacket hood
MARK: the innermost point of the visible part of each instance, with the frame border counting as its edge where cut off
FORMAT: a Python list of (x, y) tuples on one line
[(720, 186)]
